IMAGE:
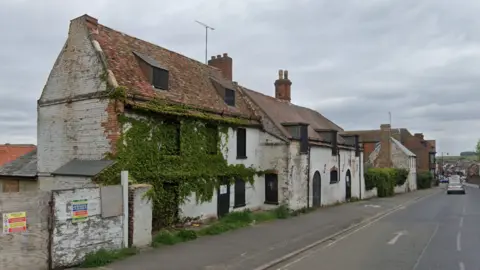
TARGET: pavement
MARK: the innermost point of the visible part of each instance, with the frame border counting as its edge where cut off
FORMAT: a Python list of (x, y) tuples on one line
[(263, 245), (440, 232)]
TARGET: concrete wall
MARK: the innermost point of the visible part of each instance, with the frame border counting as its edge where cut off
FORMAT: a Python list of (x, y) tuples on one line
[(72, 241), (24, 185), (28, 250), (140, 212)]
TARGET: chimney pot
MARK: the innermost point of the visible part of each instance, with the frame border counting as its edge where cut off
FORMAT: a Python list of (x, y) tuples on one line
[(219, 56), (283, 86), (213, 57), (225, 54)]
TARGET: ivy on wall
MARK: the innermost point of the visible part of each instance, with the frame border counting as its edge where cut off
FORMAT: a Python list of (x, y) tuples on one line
[(178, 151)]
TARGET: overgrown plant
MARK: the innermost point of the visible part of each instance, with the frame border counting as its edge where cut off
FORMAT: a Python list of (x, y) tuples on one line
[(424, 180), (401, 176), (384, 179), (179, 154)]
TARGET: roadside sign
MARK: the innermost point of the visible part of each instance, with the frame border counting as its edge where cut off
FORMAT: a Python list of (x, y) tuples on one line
[(14, 222), (79, 211)]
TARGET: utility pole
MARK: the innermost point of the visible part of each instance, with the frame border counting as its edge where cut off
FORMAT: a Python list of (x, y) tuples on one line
[(206, 38)]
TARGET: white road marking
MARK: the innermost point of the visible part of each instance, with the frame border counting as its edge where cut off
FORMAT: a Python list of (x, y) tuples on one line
[(285, 267), (461, 222), (459, 246), (372, 205), (425, 247), (464, 209), (309, 250), (396, 237), (461, 265)]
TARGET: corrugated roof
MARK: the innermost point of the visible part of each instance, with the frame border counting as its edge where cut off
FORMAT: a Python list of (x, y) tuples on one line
[(24, 166), (86, 168)]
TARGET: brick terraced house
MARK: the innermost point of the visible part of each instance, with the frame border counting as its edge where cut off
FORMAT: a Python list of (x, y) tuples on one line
[(424, 150), (162, 115)]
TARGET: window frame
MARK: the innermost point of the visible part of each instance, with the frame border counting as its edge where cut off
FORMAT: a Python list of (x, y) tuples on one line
[(230, 99), (241, 143), (240, 193), (159, 74)]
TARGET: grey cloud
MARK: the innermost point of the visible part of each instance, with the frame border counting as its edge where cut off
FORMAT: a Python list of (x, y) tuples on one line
[(352, 60)]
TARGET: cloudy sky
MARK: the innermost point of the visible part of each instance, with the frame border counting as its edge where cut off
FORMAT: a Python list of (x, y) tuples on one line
[(353, 60)]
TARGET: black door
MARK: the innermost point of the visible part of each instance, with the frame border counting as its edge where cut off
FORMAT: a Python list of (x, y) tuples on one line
[(271, 188), (317, 189), (348, 185), (223, 198)]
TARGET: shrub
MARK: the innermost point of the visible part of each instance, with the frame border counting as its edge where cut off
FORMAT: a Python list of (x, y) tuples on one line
[(401, 176), (424, 180), (384, 179)]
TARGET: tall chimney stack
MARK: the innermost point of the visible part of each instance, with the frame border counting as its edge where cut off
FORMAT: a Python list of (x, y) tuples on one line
[(283, 86), (224, 63), (384, 159)]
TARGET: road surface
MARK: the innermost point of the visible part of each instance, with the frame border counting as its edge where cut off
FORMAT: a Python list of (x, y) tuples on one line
[(440, 232)]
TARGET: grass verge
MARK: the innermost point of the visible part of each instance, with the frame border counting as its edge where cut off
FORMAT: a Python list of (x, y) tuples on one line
[(232, 221), (103, 257)]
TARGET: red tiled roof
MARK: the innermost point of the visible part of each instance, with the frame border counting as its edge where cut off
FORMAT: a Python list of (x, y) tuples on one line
[(190, 81), (371, 136), (10, 152), (284, 112)]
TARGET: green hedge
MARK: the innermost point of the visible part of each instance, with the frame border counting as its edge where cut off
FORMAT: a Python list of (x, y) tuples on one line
[(385, 180), (424, 180)]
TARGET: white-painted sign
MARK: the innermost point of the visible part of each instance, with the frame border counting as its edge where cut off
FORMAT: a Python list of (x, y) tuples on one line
[(223, 189)]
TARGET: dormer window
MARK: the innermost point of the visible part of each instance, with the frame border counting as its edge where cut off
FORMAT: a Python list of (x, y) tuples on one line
[(160, 78), (155, 73), (230, 97)]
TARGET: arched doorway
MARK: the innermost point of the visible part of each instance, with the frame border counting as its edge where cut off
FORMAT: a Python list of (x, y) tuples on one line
[(348, 185), (317, 189)]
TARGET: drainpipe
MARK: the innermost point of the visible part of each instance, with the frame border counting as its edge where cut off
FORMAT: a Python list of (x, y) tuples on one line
[(308, 177), (360, 174)]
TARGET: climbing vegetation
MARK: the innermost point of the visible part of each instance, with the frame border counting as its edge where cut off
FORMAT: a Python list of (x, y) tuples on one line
[(179, 154)]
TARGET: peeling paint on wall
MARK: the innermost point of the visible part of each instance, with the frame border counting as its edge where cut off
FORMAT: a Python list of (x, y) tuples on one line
[(72, 241)]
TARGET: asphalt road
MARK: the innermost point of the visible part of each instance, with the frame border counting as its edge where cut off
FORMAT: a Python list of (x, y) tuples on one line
[(440, 232)]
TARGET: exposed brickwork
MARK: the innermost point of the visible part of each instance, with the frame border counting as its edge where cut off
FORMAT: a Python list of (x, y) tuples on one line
[(384, 158), (131, 206), (283, 86), (224, 64), (112, 127)]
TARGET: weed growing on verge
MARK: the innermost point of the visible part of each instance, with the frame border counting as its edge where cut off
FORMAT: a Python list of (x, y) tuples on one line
[(230, 222), (103, 257)]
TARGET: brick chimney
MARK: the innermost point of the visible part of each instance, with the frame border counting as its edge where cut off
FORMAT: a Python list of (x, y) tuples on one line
[(419, 135), (283, 86), (224, 63), (384, 159)]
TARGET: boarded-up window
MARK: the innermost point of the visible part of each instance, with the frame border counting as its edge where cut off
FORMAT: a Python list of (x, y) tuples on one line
[(11, 186), (160, 78), (241, 143), (239, 192)]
